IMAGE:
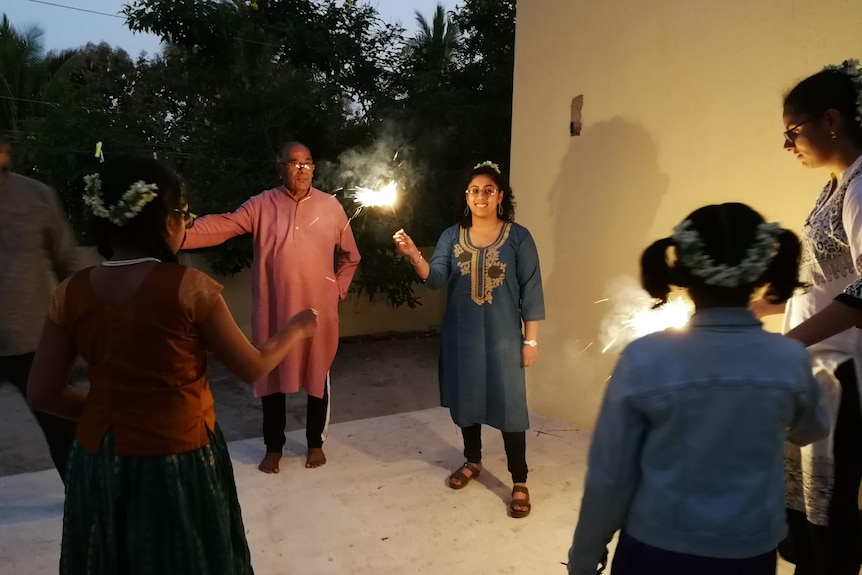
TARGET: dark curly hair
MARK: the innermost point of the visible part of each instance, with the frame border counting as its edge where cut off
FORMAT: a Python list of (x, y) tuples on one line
[(829, 89), (727, 231), (508, 201), (145, 232)]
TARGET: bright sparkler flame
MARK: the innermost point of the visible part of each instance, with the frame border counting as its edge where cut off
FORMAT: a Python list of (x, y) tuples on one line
[(643, 320), (674, 314), (368, 198)]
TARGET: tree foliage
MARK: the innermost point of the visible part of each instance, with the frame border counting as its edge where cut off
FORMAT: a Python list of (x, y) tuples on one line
[(236, 78)]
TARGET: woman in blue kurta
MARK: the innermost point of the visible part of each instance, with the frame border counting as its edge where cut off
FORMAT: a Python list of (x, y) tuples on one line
[(490, 267)]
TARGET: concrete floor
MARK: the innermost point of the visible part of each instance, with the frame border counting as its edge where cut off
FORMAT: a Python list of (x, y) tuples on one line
[(379, 507), (370, 378)]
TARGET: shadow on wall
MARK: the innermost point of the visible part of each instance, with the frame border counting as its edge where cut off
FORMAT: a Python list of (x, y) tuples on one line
[(603, 204)]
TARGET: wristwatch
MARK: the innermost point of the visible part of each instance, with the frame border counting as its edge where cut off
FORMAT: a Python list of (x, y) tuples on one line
[(531, 342)]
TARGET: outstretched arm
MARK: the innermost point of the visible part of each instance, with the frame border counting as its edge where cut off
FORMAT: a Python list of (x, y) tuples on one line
[(840, 315), (249, 363), (433, 273), (216, 229)]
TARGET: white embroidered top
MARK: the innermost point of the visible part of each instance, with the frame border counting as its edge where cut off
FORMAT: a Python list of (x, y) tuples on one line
[(831, 262)]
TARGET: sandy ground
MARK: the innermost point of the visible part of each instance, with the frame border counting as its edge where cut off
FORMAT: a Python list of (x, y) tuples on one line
[(370, 378)]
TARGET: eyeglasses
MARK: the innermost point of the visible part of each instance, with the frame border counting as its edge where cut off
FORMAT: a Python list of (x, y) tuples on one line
[(299, 166), (791, 134), (484, 192), (188, 217)]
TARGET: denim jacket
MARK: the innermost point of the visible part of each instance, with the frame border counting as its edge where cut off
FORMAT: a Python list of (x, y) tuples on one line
[(687, 453)]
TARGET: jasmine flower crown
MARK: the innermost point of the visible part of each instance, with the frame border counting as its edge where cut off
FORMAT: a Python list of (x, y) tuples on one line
[(852, 69), (488, 164), (130, 205), (690, 254)]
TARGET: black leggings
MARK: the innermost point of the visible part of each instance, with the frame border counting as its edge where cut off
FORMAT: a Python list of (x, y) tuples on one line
[(59, 432), (515, 443), (275, 420), (835, 549)]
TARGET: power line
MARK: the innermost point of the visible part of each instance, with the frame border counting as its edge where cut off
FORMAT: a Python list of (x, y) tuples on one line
[(98, 110), (163, 149), (77, 9), (123, 18)]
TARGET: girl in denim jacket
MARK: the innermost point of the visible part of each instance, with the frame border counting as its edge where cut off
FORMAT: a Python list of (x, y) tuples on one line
[(687, 456)]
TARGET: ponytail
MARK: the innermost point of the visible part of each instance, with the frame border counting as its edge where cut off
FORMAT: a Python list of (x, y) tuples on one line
[(656, 273), (782, 276)]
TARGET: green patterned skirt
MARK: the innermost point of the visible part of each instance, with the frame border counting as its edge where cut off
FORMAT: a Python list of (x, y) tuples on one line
[(135, 515)]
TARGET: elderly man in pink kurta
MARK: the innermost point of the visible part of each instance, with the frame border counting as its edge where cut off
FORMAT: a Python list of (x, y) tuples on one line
[(298, 230)]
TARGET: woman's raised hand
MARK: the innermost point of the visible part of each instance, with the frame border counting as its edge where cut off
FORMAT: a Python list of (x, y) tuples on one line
[(405, 245)]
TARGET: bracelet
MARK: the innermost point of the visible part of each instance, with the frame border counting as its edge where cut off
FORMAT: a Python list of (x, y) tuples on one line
[(418, 260), (531, 342)]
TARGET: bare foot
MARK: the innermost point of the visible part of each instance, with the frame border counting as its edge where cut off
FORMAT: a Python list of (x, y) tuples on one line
[(270, 462), (316, 458)]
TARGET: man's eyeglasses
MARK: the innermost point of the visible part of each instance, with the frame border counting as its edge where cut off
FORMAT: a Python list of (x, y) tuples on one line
[(484, 192), (299, 166), (188, 217), (791, 134)]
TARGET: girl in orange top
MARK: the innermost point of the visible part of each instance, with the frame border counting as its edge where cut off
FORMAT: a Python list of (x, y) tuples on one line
[(150, 486)]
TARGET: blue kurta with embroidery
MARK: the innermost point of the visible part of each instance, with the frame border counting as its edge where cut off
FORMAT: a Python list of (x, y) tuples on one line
[(491, 290)]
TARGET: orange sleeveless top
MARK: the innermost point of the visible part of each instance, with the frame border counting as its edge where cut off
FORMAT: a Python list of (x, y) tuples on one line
[(147, 362)]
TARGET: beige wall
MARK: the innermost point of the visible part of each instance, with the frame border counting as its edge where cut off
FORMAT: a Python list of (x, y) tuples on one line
[(682, 108), (358, 316)]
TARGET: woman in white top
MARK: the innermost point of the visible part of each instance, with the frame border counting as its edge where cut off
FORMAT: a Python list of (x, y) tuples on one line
[(823, 121)]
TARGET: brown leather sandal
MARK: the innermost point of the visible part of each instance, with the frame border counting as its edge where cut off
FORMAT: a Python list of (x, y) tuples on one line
[(463, 477), (523, 503)]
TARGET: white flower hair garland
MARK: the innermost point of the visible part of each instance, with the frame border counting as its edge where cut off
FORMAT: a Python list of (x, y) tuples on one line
[(489, 164), (852, 69), (130, 205), (689, 252)]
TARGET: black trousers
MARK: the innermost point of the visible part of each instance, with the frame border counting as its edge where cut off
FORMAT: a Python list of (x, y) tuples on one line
[(515, 443), (275, 420), (59, 432), (835, 549)]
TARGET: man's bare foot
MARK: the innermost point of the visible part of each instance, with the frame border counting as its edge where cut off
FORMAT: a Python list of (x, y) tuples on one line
[(270, 462), (316, 458)]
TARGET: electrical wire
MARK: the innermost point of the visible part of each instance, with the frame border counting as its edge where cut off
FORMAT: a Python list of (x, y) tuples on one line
[(77, 9), (54, 4)]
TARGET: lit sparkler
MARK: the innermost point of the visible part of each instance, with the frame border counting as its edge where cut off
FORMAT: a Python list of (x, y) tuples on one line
[(383, 197), (640, 319), (370, 198)]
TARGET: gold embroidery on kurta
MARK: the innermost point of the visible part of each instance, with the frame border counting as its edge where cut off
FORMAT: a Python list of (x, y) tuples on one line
[(483, 265)]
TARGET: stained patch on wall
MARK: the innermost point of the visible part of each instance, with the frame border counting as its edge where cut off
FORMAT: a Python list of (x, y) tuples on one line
[(575, 119)]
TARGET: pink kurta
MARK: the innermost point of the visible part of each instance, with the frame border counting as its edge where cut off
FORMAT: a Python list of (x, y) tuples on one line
[(295, 245)]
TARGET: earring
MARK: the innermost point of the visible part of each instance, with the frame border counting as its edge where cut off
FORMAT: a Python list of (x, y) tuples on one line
[(467, 211), (500, 209), (833, 135)]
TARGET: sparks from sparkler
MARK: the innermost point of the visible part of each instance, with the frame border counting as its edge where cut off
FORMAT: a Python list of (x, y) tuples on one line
[(369, 198), (645, 320)]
